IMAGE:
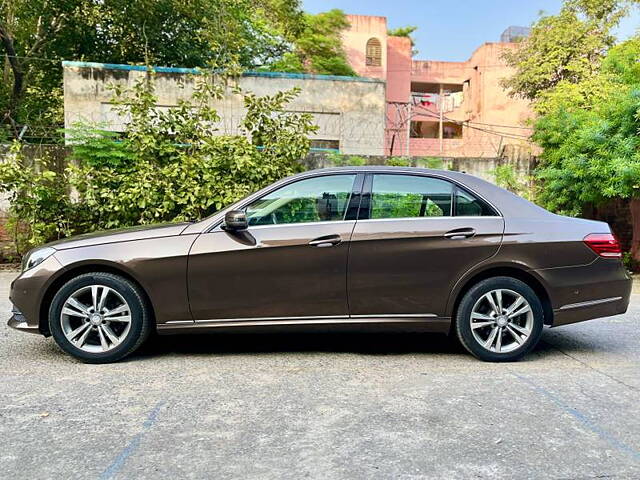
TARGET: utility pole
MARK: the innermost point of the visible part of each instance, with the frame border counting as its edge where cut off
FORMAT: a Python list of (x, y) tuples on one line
[(440, 125), (399, 116), (409, 105)]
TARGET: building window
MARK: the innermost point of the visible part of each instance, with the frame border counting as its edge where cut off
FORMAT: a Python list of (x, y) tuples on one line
[(450, 130), (374, 53), (424, 130), (319, 144)]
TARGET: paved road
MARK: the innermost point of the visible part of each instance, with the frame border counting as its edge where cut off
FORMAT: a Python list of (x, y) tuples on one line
[(324, 406)]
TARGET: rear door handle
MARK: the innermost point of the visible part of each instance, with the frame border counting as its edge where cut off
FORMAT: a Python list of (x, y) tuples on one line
[(326, 241), (460, 233)]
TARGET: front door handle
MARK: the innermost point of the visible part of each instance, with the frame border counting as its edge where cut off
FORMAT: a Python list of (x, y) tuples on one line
[(326, 241), (460, 233)]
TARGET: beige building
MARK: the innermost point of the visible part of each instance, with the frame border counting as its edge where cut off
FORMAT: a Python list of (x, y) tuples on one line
[(349, 111)]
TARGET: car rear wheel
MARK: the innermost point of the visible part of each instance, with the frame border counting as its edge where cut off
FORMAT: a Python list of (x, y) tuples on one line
[(499, 319), (99, 317)]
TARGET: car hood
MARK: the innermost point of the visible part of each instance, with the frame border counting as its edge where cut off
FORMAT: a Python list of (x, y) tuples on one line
[(120, 235)]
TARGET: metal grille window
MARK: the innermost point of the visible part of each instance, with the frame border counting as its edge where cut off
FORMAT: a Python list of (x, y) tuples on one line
[(374, 53)]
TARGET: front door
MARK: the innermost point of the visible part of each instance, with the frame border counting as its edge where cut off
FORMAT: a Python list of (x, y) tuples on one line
[(290, 263), (416, 237)]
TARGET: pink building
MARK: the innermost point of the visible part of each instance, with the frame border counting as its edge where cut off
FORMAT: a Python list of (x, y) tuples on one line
[(434, 108)]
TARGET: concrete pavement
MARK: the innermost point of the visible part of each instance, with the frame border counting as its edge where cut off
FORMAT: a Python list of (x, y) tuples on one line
[(324, 406)]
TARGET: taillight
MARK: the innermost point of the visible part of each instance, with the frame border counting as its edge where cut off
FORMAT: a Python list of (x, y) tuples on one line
[(604, 244)]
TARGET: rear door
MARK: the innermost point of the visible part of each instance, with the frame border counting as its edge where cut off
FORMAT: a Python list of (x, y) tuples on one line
[(415, 237)]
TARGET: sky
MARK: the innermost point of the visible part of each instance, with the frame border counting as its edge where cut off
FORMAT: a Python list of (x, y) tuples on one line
[(452, 30)]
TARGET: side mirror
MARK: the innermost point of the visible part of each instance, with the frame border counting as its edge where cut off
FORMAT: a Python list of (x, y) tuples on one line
[(235, 221)]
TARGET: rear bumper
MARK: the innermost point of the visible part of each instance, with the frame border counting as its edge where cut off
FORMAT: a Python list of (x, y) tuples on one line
[(600, 289), (579, 312)]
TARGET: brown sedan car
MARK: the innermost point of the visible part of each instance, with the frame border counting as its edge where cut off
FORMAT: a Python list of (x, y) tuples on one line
[(382, 247)]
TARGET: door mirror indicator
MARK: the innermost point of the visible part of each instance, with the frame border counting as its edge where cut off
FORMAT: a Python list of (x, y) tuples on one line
[(235, 221)]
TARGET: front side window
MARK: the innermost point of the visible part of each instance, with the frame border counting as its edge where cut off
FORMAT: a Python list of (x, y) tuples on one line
[(319, 199), (406, 196)]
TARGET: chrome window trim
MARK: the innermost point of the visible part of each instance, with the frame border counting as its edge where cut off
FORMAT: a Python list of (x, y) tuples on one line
[(365, 171), (404, 219), (336, 222)]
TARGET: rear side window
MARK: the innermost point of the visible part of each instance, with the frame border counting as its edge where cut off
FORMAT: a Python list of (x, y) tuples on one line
[(467, 205), (406, 196), (410, 196)]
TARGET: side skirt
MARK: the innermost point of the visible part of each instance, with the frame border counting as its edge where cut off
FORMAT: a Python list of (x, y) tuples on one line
[(359, 323)]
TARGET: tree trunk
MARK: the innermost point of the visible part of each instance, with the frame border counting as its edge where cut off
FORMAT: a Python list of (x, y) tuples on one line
[(634, 206), (18, 75)]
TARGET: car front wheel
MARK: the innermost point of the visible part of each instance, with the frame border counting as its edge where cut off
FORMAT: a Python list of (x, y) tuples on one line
[(500, 319), (99, 317)]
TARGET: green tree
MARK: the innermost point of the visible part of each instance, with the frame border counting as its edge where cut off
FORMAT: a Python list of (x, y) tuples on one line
[(567, 47), (318, 48), (27, 31), (405, 32), (591, 139), (36, 35)]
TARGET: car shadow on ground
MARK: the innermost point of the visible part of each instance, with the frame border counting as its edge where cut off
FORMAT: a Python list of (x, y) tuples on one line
[(338, 342), (366, 343)]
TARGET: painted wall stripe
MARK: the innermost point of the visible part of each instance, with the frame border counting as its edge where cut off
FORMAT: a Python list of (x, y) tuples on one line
[(198, 71)]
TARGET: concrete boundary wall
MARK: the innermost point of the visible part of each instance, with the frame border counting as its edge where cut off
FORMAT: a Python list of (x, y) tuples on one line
[(349, 111)]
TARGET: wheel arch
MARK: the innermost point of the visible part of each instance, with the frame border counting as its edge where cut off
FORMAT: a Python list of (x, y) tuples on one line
[(509, 270), (79, 269)]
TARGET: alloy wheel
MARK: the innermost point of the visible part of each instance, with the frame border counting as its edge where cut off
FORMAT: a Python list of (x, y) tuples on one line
[(95, 318), (501, 320)]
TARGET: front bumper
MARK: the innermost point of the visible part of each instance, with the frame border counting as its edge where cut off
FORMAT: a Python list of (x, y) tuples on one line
[(27, 292), (19, 322)]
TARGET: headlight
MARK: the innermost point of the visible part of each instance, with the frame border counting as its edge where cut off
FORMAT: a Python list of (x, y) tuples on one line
[(36, 257)]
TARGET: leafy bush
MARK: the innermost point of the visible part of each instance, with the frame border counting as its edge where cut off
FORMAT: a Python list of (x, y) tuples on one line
[(40, 207), (629, 262), (398, 162), (431, 162), (340, 160), (170, 165), (507, 178)]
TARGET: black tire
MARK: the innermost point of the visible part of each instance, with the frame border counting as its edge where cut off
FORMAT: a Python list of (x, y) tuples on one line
[(474, 294), (140, 322)]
